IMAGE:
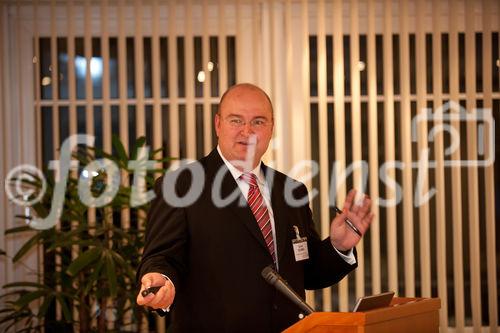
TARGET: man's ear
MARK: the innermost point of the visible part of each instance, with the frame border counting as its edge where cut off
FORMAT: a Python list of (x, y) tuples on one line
[(217, 121)]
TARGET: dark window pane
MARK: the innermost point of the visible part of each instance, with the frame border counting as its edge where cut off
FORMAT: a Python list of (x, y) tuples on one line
[(62, 67), (363, 57), (479, 62), (115, 123), (131, 127), (315, 157), (164, 88), (181, 72), (80, 68), (429, 63), (396, 65), (329, 66), (130, 67), (347, 65), (148, 109), (199, 131), (313, 65), (445, 61), (413, 76), (45, 69), (113, 67), (63, 125), (47, 130), (182, 131), (98, 126), (231, 61), (96, 68), (331, 136), (379, 45), (165, 119), (495, 70), (461, 61), (199, 68), (147, 68), (81, 120), (214, 70), (215, 108), (348, 135), (115, 120)]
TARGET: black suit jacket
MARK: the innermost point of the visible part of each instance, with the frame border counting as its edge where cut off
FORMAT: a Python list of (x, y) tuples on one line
[(214, 256)]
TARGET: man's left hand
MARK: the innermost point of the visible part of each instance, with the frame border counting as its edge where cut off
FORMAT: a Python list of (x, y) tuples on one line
[(342, 236)]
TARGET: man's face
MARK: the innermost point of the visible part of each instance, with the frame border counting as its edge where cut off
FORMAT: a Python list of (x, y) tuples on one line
[(244, 125)]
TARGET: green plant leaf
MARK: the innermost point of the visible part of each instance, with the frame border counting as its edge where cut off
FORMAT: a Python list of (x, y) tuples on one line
[(118, 258), (119, 148), (93, 278), (111, 275), (15, 292), (64, 307), (45, 306), (27, 298), (139, 142), (18, 229), (84, 259), (24, 284), (33, 241), (70, 242)]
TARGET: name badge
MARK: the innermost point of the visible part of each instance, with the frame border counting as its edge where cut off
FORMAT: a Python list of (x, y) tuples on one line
[(300, 249)]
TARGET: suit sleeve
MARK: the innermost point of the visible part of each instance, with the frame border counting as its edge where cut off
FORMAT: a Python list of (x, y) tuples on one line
[(325, 266), (166, 240)]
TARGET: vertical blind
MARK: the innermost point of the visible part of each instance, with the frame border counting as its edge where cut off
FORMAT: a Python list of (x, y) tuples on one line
[(351, 82)]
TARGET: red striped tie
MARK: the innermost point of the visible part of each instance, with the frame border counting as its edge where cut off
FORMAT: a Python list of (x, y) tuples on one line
[(259, 210)]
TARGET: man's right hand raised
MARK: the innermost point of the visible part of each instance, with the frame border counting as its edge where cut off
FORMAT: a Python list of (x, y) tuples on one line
[(163, 298)]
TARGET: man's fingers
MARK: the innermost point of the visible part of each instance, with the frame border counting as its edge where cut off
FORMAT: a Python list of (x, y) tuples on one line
[(349, 200), (144, 300), (150, 280), (364, 209), (147, 280), (160, 299), (367, 220)]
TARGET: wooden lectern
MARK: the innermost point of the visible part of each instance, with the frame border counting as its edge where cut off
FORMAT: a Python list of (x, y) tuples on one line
[(407, 315)]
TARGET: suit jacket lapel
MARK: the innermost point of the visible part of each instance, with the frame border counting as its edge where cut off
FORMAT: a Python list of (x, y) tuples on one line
[(279, 209), (239, 206)]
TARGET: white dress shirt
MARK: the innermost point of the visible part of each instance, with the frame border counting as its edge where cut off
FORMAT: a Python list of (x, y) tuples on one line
[(264, 190)]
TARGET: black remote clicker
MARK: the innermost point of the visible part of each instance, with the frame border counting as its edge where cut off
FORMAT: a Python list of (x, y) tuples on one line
[(150, 290)]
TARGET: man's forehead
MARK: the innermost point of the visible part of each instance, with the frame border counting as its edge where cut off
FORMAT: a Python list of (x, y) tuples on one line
[(246, 100), (231, 114), (239, 93)]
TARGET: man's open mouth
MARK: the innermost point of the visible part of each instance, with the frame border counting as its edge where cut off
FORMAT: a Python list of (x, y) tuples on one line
[(245, 143)]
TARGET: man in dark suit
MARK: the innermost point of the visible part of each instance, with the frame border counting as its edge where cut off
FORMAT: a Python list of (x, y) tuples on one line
[(217, 223)]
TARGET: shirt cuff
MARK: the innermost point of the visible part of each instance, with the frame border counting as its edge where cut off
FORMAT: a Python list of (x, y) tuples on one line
[(167, 309), (348, 258)]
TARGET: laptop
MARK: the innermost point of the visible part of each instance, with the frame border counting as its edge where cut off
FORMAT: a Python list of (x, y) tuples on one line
[(373, 302)]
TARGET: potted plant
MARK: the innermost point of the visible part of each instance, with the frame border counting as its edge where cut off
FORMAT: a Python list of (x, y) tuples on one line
[(89, 258)]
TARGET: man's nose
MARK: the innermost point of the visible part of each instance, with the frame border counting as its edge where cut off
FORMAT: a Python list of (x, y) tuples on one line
[(247, 128)]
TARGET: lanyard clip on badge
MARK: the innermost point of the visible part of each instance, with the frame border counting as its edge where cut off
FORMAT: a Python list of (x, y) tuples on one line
[(300, 249)]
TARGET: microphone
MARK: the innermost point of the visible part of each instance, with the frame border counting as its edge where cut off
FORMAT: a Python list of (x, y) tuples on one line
[(274, 279)]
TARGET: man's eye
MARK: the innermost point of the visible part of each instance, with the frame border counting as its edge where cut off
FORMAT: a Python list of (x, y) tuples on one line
[(258, 122), (235, 121)]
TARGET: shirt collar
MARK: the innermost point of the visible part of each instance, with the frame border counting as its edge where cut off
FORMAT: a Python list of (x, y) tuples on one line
[(237, 173)]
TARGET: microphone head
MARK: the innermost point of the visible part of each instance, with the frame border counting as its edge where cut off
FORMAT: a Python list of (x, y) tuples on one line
[(269, 275)]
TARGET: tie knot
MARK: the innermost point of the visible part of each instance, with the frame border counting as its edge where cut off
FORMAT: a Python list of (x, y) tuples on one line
[(250, 178)]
